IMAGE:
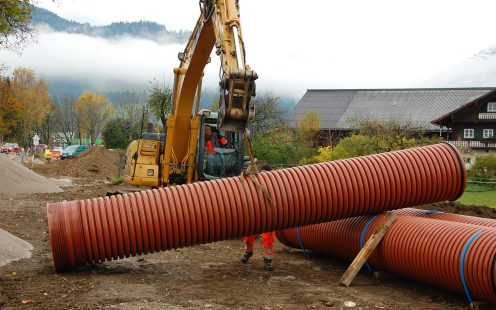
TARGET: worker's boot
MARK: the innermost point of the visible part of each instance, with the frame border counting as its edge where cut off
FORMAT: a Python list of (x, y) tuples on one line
[(268, 264), (246, 256)]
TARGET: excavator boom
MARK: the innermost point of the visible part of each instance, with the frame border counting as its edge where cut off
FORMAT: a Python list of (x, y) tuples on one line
[(218, 27)]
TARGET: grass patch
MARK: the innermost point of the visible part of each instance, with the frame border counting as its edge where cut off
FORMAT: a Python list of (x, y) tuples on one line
[(115, 180), (483, 198), (479, 187)]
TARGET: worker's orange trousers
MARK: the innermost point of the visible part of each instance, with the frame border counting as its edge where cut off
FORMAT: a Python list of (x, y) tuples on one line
[(267, 242)]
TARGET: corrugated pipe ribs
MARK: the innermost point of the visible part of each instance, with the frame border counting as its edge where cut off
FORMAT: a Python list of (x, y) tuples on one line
[(95, 230), (442, 250)]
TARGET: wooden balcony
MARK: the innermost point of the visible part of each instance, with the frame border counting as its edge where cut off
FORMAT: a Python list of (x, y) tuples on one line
[(489, 116), (474, 144)]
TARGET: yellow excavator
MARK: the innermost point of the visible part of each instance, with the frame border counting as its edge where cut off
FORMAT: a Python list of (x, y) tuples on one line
[(201, 144)]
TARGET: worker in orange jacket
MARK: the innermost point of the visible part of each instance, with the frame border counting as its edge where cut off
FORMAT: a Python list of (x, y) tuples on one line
[(211, 142), (267, 242)]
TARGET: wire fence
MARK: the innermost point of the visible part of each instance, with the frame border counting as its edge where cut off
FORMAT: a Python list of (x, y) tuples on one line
[(282, 166), (482, 181)]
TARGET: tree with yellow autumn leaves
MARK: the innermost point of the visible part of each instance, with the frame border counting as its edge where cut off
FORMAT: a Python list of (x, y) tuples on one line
[(26, 108), (24, 104), (92, 111), (32, 94), (10, 109)]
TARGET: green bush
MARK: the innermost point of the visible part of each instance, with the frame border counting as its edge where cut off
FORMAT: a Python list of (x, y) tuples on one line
[(356, 145), (483, 168), (323, 155), (115, 134), (115, 180), (377, 136), (276, 146)]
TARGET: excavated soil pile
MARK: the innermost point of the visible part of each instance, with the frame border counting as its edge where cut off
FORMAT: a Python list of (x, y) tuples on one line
[(97, 163), (458, 208), (15, 178)]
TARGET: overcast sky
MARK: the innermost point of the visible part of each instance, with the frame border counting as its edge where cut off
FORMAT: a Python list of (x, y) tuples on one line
[(293, 45)]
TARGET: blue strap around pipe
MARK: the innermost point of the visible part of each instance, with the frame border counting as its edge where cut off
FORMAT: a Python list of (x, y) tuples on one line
[(362, 236), (462, 265), (300, 241), (429, 212)]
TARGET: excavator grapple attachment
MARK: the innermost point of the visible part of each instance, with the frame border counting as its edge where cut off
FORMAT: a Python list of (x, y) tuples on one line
[(236, 90)]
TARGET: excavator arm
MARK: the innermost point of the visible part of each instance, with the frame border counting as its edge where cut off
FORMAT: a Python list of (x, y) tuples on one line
[(218, 26), (237, 84)]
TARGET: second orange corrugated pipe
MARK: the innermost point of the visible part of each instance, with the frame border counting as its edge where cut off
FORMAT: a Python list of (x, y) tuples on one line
[(445, 250)]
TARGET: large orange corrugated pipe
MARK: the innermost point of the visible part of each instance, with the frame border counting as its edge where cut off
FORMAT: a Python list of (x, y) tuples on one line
[(445, 252), (99, 229)]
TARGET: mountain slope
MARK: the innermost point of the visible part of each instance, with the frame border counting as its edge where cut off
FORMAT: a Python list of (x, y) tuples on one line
[(486, 53), (479, 70), (142, 29)]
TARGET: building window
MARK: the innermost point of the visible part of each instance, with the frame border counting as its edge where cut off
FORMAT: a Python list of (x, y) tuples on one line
[(487, 133), (468, 133), (491, 106)]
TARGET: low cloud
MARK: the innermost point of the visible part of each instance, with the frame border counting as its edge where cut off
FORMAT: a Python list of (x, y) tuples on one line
[(473, 72), (99, 62), (115, 64)]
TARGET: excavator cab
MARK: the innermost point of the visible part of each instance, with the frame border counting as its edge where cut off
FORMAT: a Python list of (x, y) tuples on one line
[(220, 153)]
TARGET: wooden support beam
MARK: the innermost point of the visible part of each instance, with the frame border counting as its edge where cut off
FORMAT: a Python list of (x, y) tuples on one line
[(480, 305), (367, 250)]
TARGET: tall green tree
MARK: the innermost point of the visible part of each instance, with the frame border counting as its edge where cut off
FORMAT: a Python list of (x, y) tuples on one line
[(160, 102), (15, 27), (115, 134)]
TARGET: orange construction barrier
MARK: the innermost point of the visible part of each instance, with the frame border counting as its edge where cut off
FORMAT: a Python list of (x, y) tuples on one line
[(55, 154)]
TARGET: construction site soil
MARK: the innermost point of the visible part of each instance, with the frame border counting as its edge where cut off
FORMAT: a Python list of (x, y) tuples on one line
[(458, 208), (96, 164), (209, 276)]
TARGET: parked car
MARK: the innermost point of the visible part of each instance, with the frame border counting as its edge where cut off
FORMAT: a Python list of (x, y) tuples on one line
[(72, 151), (40, 148), (10, 148)]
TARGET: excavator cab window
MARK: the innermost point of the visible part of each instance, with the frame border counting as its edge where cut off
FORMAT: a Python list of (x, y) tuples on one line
[(220, 152)]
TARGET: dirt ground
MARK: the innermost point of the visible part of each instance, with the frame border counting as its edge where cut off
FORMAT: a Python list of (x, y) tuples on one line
[(458, 208), (203, 277), (96, 164)]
